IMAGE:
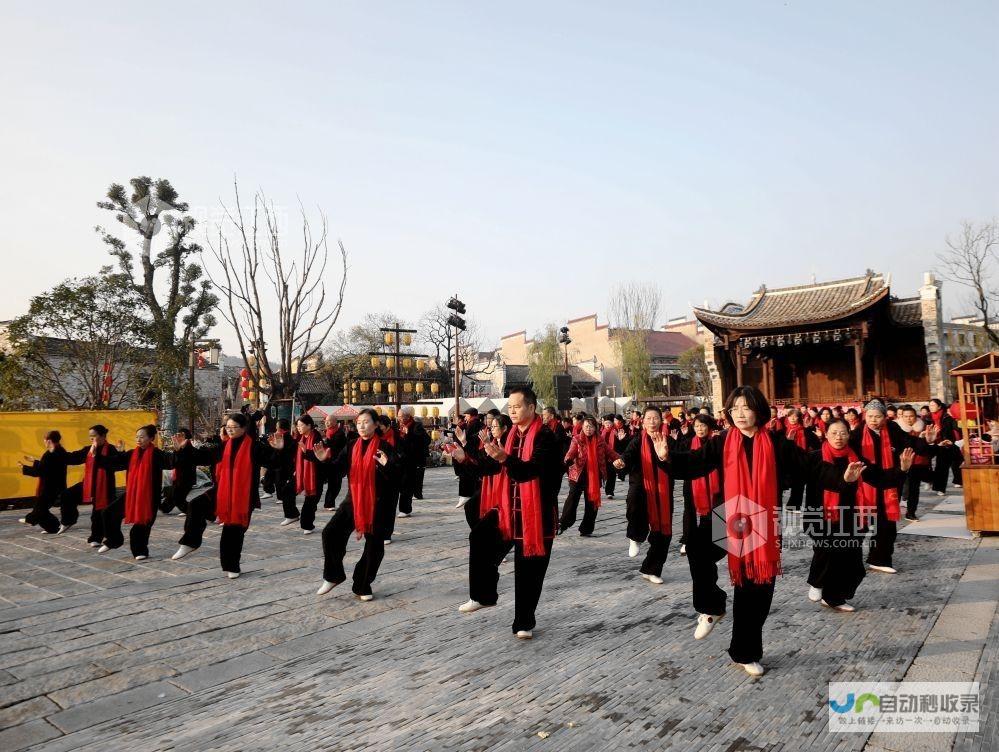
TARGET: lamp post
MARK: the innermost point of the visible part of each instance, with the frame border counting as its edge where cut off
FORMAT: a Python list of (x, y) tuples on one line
[(565, 340), (456, 320)]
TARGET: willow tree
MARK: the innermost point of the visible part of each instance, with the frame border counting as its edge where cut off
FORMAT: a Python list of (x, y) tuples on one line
[(160, 263), (544, 362)]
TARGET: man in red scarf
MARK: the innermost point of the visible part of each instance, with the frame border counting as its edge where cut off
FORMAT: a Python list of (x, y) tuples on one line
[(524, 518), (98, 488), (412, 447), (334, 439), (920, 471), (948, 456), (563, 439)]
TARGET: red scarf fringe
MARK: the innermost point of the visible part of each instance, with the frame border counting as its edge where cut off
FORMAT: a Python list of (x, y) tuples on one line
[(530, 497), (705, 488), (232, 499), (363, 492), (655, 480), (830, 499), (867, 493), (592, 470), (305, 471), (90, 469), (139, 501)]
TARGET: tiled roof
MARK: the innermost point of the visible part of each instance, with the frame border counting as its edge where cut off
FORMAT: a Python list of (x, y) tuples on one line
[(521, 375), (908, 312), (317, 383), (801, 304)]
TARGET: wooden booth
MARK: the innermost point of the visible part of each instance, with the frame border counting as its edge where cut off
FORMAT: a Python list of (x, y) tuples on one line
[(978, 405)]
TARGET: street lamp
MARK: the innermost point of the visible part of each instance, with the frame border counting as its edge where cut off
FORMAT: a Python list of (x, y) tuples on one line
[(456, 320), (564, 339)]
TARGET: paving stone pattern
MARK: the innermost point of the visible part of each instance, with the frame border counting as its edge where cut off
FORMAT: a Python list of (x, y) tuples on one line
[(98, 652)]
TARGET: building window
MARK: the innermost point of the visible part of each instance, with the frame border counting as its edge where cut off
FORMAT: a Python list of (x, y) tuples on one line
[(960, 340)]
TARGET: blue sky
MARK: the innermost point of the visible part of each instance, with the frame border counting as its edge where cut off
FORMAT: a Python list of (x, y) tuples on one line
[(528, 156)]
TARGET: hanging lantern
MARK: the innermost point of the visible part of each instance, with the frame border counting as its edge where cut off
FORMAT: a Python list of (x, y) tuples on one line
[(419, 387), (378, 409), (432, 364), (389, 338), (390, 362), (246, 394), (407, 387), (423, 412), (435, 435), (391, 387), (407, 363), (407, 339), (391, 412), (108, 380), (377, 387), (435, 388), (365, 386), (421, 364), (245, 373), (375, 362), (436, 412), (345, 400)]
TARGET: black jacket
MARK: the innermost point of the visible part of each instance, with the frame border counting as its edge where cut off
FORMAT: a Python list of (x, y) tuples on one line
[(51, 472), (386, 481), (79, 457)]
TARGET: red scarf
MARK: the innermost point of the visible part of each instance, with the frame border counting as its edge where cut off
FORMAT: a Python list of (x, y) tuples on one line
[(305, 471), (90, 470), (830, 499), (592, 470), (867, 493), (530, 496), (706, 487), (490, 493), (139, 501), (796, 434), (232, 493), (655, 480), (750, 501), (388, 436), (331, 432), (363, 493), (919, 459), (821, 425), (553, 424)]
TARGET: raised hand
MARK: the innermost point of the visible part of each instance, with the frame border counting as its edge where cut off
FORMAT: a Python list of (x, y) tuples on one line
[(661, 445), (618, 464), (494, 450), (931, 434), (120, 445), (178, 440), (620, 433), (853, 471), (458, 454), (27, 460), (906, 458), (223, 435), (276, 440), (459, 435), (380, 456), (484, 436), (322, 452)]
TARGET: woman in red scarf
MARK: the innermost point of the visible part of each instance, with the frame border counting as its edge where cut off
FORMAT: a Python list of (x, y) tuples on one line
[(335, 439), (796, 432), (98, 488), (835, 522), (880, 442), (750, 460), (521, 516), (948, 456), (236, 463), (650, 496), (700, 496), (588, 459), (370, 465), (467, 456), (143, 468), (309, 477)]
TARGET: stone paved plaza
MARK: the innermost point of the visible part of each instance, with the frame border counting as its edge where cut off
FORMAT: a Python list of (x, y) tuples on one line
[(103, 653)]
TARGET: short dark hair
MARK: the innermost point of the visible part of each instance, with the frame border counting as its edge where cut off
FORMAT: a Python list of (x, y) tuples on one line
[(494, 412), (384, 420), (550, 409), (907, 409), (53, 435), (706, 420), (580, 415), (854, 411), (471, 411), (306, 419), (652, 409), (238, 418), (834, 421), (99, 429), (186, 433), (504, 421), (370, 412), (284, 424), (755, 401), (939, 402), (149, 430), (591, 420), (527, 393)]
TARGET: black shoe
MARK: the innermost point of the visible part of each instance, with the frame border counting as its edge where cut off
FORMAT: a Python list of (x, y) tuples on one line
[(610, 496), (911, 517)]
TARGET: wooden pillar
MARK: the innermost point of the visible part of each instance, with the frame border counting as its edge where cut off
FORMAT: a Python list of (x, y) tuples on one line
[(738, 365), (858, 369), (878, 377)]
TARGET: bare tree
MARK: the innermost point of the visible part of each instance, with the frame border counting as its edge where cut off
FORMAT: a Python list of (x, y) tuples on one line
[(438, 336), (255, 271), (633, 310), (972, 260)]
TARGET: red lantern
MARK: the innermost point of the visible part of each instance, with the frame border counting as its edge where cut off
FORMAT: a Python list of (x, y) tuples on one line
[(105, 396), (201, 361), (108, 380), (245, 373), (106, 367), (246, 394), (955, 411)]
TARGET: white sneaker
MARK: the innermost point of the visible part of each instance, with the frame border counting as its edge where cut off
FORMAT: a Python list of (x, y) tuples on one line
[(462, 501), (62, 529), (366, 598), (652, 578), (325, 587), (388, 542), (753, 669), (93, 544), (469, 606), (404, 514), (705, 623), (266, 496), (310, 531), (23, 520), (814, 594), (941, 493), (633, 549), (957, 485), (288, 521), (141, 557), (683, 549), (505, 560), (103, 549), (525, 634), (845, 608), (886, 570), (232, 575), (182, 552)]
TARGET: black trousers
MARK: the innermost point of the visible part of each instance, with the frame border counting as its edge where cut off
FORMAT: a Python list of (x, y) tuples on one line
[(285, 487), (486, 550), (577, 489), (307, 519), (948, 459), (269, 480), (334, 483), (796, 496), (200, 510), (335, 536), (390, 523), (702, 559), (689, 518), (418, 482), (69, 502), (609, 484), (472, 511), (41, 516), (655, 557), (637, 516), (138, 536), (231, 547), (917, 475), (105, 524), (883, 539), (175, 496), (750, 609), (407, 484), (837, 569)]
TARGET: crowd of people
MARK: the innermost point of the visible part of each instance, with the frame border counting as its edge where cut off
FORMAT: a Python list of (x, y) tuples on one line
[(845, 471)]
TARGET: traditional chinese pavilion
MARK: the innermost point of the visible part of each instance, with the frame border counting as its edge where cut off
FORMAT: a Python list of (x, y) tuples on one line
[(829, 342)]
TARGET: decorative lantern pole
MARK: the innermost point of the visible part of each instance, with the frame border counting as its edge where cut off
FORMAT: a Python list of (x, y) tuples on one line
[(456, 320)]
